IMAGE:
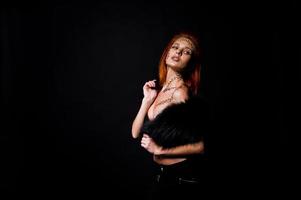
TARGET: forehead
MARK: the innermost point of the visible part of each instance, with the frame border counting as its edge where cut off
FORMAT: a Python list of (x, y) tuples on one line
[(185, 42)]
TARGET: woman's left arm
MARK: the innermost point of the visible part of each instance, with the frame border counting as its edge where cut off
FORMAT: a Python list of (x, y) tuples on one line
[(194, 148), (152, 147)]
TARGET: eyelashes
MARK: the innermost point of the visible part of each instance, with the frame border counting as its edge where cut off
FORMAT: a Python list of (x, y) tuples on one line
[(187, 52)]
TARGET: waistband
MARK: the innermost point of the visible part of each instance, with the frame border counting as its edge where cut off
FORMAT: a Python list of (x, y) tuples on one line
[(179, 173), (161, 179)]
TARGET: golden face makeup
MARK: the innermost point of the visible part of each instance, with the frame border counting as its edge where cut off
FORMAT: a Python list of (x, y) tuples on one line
[(188, 42)]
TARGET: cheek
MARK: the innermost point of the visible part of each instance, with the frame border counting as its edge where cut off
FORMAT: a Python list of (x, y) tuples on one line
[(186, 59), (168, 55)]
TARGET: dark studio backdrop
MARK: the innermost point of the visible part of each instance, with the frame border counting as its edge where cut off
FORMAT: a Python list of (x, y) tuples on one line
[(71, 84)]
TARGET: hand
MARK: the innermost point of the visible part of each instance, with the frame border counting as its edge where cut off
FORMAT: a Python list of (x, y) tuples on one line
[(148, 143), (149, 91)]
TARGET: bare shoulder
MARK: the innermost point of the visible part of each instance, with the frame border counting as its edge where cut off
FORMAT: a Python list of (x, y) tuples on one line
[(181, 94)]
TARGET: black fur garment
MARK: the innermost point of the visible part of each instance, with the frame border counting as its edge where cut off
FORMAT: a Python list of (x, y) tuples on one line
[(180, 124)]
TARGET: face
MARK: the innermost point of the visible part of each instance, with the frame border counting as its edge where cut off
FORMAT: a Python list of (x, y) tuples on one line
[(179, 54)]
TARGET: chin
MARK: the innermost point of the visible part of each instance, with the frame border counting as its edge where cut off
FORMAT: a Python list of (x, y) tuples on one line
[(176, 67), (173, 64)]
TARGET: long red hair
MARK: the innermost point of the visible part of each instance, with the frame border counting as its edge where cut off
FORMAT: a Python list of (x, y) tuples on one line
[(191, 73)]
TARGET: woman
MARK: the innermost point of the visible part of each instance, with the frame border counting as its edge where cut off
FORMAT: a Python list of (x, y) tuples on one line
[(175, 133)]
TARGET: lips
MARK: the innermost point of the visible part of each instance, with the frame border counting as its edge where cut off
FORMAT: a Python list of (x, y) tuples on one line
[(175, 58)]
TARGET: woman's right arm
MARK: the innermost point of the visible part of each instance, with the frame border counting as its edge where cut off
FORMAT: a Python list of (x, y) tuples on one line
[(139, 119), (149, 96)]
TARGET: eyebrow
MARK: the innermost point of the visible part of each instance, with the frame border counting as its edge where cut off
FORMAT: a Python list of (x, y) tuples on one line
[(184, 47)]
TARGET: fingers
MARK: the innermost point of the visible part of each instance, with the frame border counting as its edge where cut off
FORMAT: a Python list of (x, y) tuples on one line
[(151, 83), (145, 140), (144, 144)]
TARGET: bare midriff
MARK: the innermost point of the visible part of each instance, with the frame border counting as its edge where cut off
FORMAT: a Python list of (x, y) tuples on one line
[(167, 161)]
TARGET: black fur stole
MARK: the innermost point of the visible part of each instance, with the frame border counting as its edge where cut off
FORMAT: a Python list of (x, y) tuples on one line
[(180, 124)]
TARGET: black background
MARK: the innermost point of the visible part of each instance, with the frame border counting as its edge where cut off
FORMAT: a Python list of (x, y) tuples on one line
[(71, 84)]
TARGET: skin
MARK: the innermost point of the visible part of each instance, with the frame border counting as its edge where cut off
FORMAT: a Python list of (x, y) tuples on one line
[(176, 60), (179, 55)]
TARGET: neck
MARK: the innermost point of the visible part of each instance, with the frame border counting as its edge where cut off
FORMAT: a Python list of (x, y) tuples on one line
[(173, 79), (171, 74)]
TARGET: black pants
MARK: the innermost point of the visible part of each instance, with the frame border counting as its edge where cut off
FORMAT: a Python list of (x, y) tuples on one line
[(177, 181)]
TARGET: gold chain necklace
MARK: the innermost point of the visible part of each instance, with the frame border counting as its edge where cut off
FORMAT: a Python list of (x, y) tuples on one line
[(169, 82), (169, 88)]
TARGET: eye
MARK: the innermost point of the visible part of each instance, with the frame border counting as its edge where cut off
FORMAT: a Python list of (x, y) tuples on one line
[(187, 52), (174, 47)]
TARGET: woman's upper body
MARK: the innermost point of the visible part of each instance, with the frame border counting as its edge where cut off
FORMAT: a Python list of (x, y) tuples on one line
[(179, 80)]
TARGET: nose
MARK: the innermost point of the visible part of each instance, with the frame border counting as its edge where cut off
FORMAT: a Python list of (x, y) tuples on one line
[(179, 52)]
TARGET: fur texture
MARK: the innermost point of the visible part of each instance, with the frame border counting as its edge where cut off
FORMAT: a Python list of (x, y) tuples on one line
[(180, 124)]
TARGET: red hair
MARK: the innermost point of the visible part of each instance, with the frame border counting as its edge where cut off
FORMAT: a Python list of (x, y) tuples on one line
[(191, 73)]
